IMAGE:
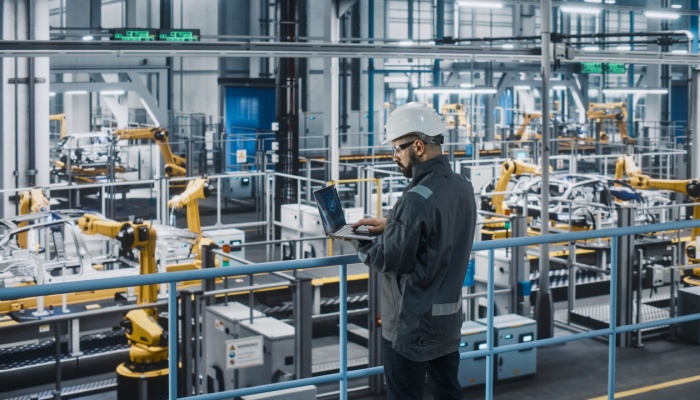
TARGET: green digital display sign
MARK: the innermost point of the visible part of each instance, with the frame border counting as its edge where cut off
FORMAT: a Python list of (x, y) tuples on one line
[(591, 68), (178, 35), (615, 68), (599, 68), (134, 34)]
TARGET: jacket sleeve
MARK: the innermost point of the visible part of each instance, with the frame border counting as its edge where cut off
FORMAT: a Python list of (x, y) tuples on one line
[(395, 250)]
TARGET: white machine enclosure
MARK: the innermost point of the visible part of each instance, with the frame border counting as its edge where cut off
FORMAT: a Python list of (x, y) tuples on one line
[(472, 371), (278, 352), (292, 218), (232, 237), (513, 329), (221, 323)]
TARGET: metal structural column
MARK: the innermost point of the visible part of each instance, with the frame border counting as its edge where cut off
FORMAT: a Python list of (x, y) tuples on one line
[(625, 284), (24, 107), (303, 304), (694, 153), (544, 307), (519, 267)]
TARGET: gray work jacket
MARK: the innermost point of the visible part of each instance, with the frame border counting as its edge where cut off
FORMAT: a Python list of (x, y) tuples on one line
[(423, 254)]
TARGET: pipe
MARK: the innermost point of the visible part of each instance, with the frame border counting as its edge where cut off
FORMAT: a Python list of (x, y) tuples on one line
[(544, 308), (370, 77), (16, 171), (31, 99)]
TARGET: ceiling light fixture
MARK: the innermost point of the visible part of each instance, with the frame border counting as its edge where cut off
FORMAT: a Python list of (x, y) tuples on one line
[(635, 91), (405, 43), (455, 90), (112, 92), (580, 10), (661, 14), (480, 4), (75, 92), (521, 87), (676, 6), (88, 37)]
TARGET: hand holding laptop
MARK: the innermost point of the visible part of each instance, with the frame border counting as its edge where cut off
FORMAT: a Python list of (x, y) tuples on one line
[(375, 226)]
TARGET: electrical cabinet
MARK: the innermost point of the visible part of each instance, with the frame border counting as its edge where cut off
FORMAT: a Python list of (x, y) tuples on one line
[(472, 371), (513, 329)]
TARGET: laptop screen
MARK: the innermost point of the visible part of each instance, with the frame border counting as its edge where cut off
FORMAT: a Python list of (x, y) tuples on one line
[(329, 207)]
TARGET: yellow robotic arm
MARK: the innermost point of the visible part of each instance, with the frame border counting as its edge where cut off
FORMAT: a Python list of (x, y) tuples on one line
[(31, 201), (689, 187), (452, 111), (527, 118), (174, 165), (197, 189), (509, 168), (61, 118), (625, 165), (131, 235), (616, 111)]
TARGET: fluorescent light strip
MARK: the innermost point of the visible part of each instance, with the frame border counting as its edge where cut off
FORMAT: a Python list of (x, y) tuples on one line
[(112, 92), (480, 4), (457, 90), (521, 87), (75, 92), (661, 14), (635, 91), (405, 43), (580, 10)]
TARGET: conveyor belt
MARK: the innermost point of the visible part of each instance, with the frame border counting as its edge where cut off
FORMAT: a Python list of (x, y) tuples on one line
[(598, 316), (72, 391), (44, 351)]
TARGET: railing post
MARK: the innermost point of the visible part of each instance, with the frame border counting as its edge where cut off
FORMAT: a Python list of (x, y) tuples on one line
[(303, 327), (376, 382), (489, 327), (172, 340), (344, 331), (613, 317)]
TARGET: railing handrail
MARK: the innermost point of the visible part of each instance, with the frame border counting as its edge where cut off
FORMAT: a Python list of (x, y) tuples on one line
[(116, 282)]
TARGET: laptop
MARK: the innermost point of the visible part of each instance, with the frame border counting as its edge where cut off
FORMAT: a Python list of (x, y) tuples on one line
[(333, 216)]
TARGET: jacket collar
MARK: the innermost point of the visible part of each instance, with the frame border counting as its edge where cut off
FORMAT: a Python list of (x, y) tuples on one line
[(439, 165)]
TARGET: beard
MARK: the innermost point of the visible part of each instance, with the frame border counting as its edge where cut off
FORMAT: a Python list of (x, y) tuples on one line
[(407, 169)]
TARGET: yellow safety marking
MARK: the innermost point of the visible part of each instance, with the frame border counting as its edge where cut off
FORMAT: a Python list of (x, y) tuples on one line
[(651, 388)]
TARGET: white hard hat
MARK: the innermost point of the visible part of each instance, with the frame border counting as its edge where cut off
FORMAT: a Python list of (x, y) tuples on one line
[(415, 118)]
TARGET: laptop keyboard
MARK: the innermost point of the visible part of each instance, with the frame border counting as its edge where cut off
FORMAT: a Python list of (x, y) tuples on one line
[(346, 231)]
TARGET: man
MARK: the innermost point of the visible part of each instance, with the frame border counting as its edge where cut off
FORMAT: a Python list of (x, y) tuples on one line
[(422, 251)]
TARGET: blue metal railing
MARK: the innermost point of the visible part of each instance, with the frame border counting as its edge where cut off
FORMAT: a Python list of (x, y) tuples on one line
[(344, 375)]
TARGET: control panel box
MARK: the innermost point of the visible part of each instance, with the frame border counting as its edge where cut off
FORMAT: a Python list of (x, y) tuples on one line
[(221, 326), (472, 371), (513, 329)]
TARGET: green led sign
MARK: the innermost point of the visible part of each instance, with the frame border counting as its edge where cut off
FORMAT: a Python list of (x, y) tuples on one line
[(615, 68), (178, 35), (134, 34), (591, 68), (599, 68)]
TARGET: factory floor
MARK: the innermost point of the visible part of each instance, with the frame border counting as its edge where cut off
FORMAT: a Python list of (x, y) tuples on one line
[(661, 369)]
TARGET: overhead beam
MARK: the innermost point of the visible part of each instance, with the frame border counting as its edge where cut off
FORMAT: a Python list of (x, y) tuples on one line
[(48, 48)]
